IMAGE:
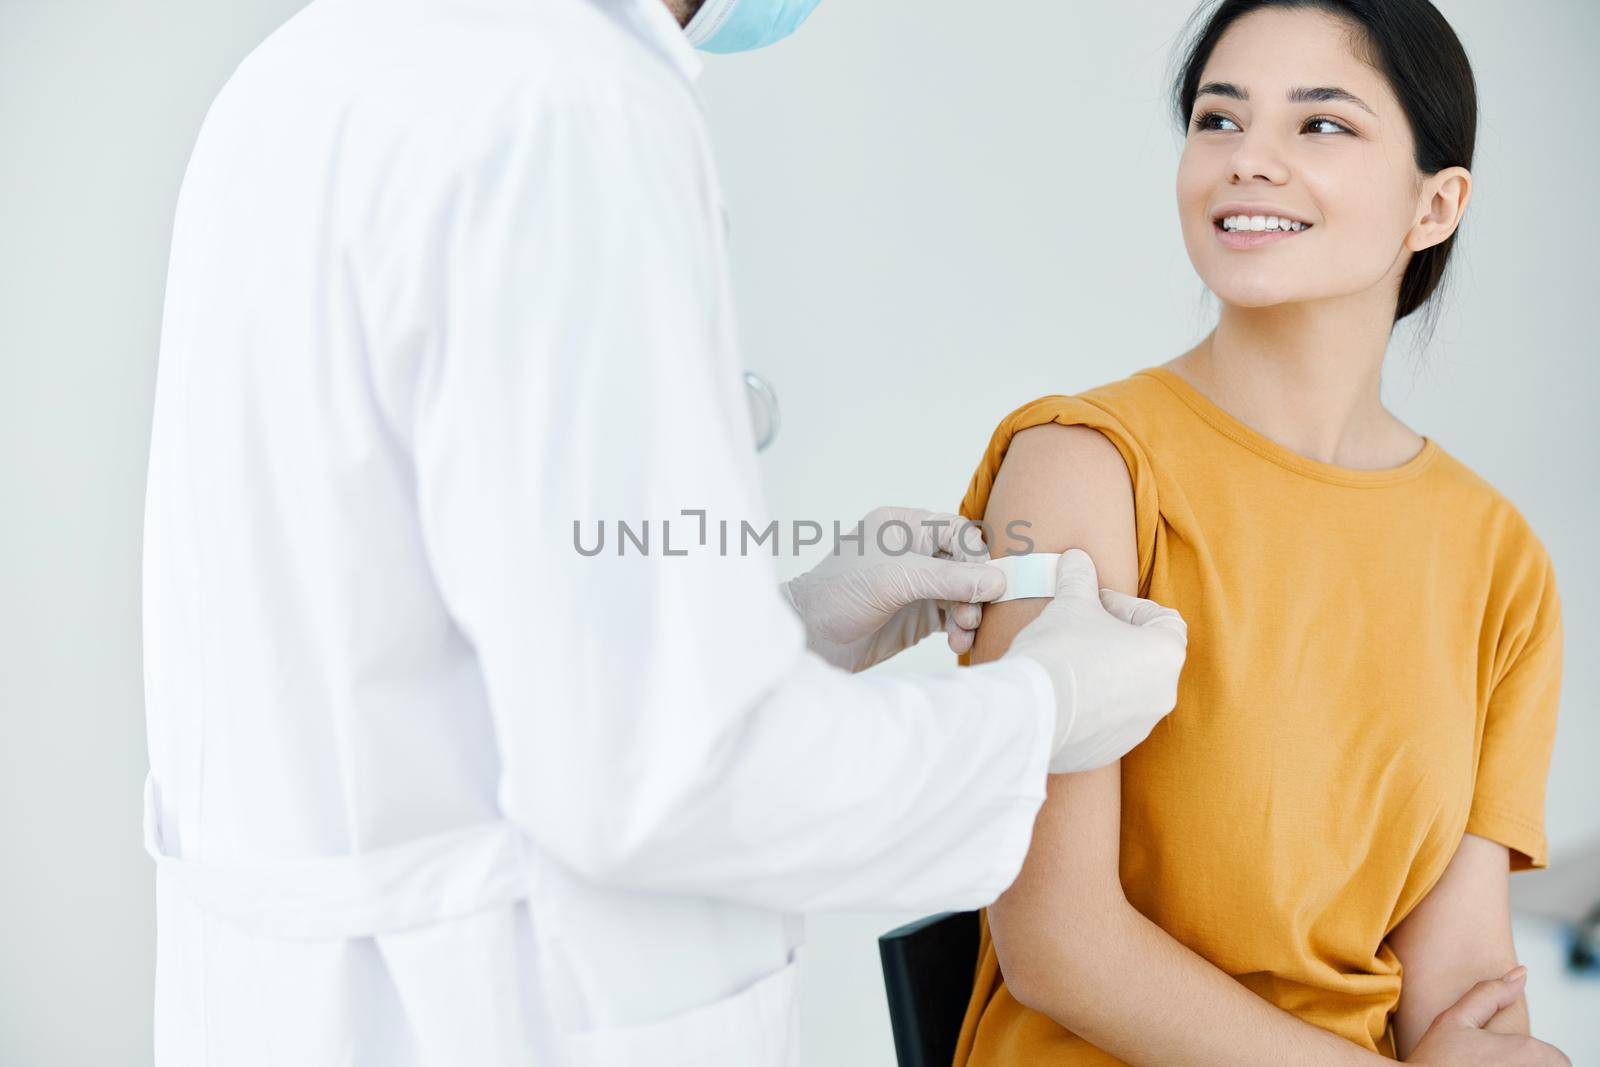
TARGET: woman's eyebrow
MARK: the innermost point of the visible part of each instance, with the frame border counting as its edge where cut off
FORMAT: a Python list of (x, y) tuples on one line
[(1320, 94)]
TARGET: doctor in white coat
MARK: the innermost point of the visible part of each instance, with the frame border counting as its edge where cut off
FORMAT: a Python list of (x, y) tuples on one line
[(432, 782)]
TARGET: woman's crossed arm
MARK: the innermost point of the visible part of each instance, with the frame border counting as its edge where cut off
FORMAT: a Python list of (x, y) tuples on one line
[(1460, 933)]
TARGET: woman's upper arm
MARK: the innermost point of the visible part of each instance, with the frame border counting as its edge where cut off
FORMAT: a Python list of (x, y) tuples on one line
[(1065, 487), (1456, 936), (1071, 487)]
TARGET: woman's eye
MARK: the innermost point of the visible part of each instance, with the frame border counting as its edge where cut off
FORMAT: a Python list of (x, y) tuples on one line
[(1338, 127), (1212, 120)]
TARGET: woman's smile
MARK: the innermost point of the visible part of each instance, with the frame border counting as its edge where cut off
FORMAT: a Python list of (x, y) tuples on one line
[(1244, 232)]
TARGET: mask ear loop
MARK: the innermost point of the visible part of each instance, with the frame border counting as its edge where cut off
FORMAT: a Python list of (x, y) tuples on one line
[(763, 409), (708, 20)]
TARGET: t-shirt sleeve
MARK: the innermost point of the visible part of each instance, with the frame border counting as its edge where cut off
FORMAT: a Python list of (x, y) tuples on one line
[(1519, 733)]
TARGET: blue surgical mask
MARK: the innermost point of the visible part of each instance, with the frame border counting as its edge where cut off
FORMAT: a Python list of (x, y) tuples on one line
[(741, 25)]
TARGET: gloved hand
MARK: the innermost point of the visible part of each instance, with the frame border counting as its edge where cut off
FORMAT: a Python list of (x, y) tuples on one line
[(912, 573), (1114, 660)]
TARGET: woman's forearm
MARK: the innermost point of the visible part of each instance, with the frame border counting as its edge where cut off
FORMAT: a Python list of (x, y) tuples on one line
[(1119, 981), (1457, 935)]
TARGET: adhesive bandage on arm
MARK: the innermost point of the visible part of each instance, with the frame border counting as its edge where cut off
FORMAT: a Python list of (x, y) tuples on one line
[(1033, 575)]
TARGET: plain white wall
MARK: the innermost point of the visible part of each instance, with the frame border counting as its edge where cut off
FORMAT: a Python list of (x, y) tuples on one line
[(941, 209)]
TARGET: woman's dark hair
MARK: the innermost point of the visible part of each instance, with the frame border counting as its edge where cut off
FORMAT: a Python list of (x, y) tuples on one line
[(1412, 45)]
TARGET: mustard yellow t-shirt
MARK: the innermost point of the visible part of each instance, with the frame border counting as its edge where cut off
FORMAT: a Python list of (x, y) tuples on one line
[(1373, 670)]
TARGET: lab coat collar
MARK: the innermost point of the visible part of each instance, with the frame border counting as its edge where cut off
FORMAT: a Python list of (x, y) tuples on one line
[(651, 20)]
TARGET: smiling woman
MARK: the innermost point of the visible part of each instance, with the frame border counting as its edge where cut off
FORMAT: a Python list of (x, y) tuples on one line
[(1307, 861), (1386, 148)]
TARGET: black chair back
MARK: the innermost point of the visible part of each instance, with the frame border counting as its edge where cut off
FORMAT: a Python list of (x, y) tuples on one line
[(928, 969)]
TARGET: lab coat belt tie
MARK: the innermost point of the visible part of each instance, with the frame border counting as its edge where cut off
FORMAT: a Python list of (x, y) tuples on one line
[(383, 890)]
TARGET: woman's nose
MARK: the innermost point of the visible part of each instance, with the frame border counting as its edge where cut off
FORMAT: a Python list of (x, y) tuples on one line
[(1257, 155)]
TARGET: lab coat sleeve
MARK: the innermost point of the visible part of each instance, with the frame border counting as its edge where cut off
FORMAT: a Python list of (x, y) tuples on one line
[(660, 723)]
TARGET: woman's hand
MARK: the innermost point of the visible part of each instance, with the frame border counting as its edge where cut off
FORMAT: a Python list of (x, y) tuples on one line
[(1457, 1037)]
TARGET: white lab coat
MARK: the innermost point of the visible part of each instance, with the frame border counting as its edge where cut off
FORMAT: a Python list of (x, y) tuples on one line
[(428, 785)]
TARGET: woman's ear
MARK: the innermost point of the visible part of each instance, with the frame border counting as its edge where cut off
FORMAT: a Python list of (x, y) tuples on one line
[(1441, 202)]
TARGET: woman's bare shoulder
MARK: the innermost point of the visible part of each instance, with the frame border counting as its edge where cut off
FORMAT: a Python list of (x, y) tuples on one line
[(1071, 488), (1059, 487)]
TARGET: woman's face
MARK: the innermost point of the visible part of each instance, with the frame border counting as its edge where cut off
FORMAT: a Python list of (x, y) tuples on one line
[(1290, 122)]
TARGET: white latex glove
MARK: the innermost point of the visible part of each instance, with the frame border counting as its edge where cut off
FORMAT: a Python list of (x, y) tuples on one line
[(1114, 660), (912, 573)]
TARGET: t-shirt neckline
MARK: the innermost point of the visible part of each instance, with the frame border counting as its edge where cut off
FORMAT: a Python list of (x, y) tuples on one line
[(1267, 448)]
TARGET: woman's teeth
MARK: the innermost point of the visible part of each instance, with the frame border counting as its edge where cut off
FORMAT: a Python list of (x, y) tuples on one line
[(1235, 223)]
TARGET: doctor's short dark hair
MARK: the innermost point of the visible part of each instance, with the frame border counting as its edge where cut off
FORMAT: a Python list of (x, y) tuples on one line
[(1411, 44)]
